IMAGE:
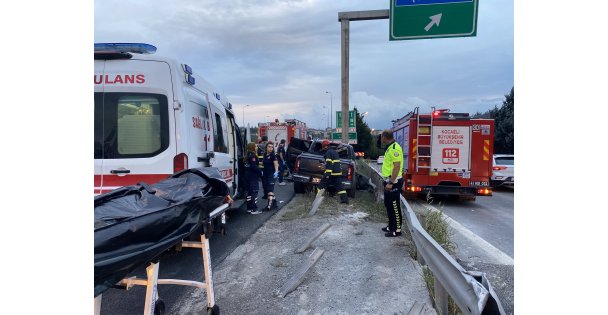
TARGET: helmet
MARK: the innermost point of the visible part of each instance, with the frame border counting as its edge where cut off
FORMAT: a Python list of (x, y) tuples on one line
[(325, 142)]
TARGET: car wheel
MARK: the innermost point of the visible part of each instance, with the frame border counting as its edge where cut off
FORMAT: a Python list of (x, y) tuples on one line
[(351, 193), (298, 187)]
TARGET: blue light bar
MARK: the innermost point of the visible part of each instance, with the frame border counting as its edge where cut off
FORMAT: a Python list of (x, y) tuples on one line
[(117, 48), (187, 69), (190, 79)]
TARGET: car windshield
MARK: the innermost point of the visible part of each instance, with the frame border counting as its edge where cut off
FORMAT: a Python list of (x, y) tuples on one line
[(504, 160)]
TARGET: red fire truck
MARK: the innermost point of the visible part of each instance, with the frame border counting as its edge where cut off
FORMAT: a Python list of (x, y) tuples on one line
[(445, 154), (282, 130)]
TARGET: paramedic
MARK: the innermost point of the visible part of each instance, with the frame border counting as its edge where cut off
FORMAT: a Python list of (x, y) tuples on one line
[(270, 173), (281, 159), (252, 175)]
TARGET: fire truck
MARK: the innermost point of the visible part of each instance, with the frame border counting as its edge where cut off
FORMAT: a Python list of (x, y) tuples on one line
[(445, 154), (275, 131)]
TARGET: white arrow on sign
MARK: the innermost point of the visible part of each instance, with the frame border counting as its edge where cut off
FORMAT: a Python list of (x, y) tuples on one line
[(435, 19)]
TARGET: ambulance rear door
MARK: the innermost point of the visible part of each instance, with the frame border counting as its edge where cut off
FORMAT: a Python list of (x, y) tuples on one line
[(134, 123), (221, 143)]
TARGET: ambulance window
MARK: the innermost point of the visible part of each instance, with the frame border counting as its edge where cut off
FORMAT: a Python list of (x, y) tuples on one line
[(219, 141), (98, 123), (132, 125)]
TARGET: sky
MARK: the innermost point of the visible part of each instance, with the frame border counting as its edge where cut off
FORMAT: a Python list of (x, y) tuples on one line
[(280, 57)]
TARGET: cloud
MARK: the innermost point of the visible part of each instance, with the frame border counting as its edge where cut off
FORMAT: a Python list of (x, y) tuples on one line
[(282, 55)]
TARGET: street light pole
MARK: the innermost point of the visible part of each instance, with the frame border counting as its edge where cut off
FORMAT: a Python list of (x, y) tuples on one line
[(331, 104), (244, 114)]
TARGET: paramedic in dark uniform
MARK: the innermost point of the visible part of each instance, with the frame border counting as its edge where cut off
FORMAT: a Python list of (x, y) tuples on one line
[(270, 173), (261, 148), (252, 175), (392, 168), (333, 173), (281, 159)]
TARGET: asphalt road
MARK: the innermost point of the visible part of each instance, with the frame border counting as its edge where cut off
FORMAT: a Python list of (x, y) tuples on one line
[(491, 218), (187, 265)]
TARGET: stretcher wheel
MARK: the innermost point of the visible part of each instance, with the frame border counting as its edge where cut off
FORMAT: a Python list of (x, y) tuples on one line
[(159, 307), (215, 310), (208, 230)]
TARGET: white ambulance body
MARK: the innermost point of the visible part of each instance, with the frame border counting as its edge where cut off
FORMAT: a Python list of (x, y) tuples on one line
[(155, 117)]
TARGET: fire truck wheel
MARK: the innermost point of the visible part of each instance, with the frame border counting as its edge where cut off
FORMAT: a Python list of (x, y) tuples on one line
[(467, 198), (215, 310), (298, 188), (410, 195)]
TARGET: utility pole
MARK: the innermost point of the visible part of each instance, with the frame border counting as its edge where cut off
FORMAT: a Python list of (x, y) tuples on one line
[(344, 18)]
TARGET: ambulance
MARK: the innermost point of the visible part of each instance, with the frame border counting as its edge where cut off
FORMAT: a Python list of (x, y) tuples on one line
[(445, 154), (155, 116)]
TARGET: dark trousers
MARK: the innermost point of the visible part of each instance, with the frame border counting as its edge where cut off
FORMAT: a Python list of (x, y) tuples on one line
[(252, 191), (335, 182), (282, 168), (393, 206)]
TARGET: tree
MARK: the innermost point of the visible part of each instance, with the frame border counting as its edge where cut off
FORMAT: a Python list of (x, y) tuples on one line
[(504, 136), (364, 137)]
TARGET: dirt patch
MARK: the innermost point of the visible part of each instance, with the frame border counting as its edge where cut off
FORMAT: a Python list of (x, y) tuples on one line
[(361, 271)]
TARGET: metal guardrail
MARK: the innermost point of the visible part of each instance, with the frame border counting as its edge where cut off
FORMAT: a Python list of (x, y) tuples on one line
[(470, 290)]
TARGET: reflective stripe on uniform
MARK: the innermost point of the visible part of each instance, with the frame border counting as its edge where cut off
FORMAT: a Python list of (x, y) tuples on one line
[(340, 173), (327, 171), (342, 192), (336, 161)]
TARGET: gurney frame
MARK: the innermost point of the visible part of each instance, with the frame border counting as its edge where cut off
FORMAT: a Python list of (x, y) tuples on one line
[(153, 304)]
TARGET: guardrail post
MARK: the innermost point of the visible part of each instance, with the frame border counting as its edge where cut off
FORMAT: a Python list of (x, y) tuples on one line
[(441, 298)]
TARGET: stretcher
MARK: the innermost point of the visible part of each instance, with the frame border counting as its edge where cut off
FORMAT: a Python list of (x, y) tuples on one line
[(136, 225)]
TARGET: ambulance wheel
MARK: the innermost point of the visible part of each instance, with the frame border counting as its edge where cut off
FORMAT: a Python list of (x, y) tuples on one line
[(298, 187), (351, 193), (215, 310), (159, 307)]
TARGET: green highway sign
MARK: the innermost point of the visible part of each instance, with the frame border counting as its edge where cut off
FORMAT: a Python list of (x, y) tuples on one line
[(352, 137), (351, 119), (419, 19)]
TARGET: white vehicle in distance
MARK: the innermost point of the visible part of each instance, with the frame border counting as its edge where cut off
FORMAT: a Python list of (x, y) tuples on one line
[(503, 170), (380, 159)]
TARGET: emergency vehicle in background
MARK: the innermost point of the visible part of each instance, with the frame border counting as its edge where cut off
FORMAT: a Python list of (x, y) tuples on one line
[(290, 128), (445, 154), (155, 117)]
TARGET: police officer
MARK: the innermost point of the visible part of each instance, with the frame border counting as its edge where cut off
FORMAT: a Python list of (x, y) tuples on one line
[(333, 172), (269, 174), (252, 174), (392, 168)]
